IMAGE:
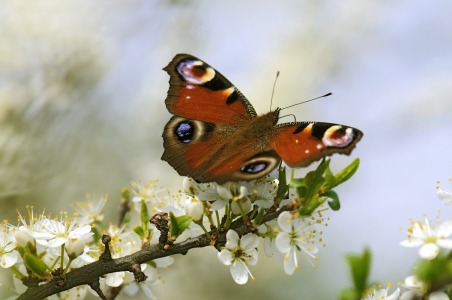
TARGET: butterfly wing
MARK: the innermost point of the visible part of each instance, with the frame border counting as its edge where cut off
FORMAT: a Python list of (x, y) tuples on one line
[(209, 152), (299, 144), (209, 138), (199, 92)]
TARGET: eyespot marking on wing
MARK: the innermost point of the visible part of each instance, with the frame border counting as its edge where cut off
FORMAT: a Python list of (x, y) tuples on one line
[(195, 71)]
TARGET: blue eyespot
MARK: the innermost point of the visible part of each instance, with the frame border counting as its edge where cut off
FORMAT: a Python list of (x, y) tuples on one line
[(254, 167), (184, 131)]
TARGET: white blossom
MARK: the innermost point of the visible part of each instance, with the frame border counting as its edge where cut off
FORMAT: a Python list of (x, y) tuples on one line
[(417, 288), (90, 210), (232, 192), (239, 253), (382, 294), (8, 256), (293, 238), (429, 238)]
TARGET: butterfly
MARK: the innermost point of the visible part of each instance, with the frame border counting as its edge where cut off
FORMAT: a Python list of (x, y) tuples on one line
[(215, 134)]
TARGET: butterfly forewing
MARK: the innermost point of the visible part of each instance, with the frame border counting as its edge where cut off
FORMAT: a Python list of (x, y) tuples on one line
[(197, 91), (299, 144)]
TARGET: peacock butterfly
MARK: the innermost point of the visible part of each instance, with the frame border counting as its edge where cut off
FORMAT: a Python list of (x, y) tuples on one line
[(216, 135)]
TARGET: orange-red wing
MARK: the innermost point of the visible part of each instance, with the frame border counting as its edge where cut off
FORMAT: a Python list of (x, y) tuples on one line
[(299, 144), (199, 92)]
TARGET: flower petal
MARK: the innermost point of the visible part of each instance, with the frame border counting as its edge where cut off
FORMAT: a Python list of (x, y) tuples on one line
[(225, 256), (283, 242), (290, 262), (239, 272), (249, 241), (411, 243), (445, 243), (285, 221), (224, 193), (444, 196), (429, 251), (438, 295), (444, 229), (115, 279), (8, 259), (232, 239)]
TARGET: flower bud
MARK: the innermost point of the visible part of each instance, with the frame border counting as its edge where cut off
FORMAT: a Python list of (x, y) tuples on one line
[(194, 208)]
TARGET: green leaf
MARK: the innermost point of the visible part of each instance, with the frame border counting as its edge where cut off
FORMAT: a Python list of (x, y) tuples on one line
[(126, 194), (330, 180), (144, 215), (334, 203), (360, 269), (311, 205), (297, 182), (343, 175), (174, 225), (282, 186), (349, 294), (435, 272), (314, 179), (183, 223), (139, 231), (260, 216), (34, 263), (97, 234), (178, 224)]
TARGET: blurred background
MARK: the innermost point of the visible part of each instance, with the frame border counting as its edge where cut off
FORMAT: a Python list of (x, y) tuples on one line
[(82, 111)]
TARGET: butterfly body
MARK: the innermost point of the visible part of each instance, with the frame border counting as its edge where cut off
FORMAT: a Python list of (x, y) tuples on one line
[(216, 135)]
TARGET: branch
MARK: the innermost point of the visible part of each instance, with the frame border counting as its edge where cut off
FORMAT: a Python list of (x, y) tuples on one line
[(90, 274)]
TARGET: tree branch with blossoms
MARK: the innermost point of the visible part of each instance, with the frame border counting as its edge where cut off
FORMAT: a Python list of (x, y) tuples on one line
[(61, 256)]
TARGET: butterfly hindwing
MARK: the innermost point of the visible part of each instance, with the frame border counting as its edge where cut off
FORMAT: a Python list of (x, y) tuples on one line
[(199, 92), (220, 153)]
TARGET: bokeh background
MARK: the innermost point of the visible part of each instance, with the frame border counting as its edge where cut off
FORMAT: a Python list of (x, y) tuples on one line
[(82, 110)]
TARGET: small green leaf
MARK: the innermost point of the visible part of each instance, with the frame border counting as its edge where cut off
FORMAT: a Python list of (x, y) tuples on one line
[(144, 215), (334, 203), (97, 234), (174, 225), (282, 186), (349, 294), (343, 175), (435, 272), (139, 231), (330, 180), (178, 224), (314, 179), (260, 216), (311, 205), (360, 269), (183, 222), (126, 194), (34, 263), (297, 182)]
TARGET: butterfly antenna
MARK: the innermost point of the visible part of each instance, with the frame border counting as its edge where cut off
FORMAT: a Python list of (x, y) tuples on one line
[(273, 91), (326, 95)]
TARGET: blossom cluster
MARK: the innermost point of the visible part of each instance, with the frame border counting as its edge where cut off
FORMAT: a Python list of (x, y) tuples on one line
[(40, 244), (287, 218), (433, 241), (291, 237)]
